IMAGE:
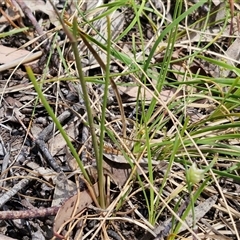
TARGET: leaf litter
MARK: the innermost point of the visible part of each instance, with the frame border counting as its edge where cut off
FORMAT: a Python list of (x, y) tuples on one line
[(35, 160)]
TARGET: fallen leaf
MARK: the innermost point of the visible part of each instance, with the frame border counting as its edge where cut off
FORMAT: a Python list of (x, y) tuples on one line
[(164, 228), (200, 211), (8, 54), (11, 57), (3, 237), (69, 208), (132, 92), (119, 168), (64, 189), (47, 173), (233, 55), (58, 143)]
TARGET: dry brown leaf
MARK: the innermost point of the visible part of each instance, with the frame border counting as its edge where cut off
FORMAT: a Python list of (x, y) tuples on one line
[(119, 169), (64, 187), (3, 237), (58, 143), (123, 163), (63, 190), (220, 12), (132, 92), (200, 211), (8, 54), (47, 173), (118, 172), (11, 57), (233, 55), (69, 207), (35, 130), (163, 229)]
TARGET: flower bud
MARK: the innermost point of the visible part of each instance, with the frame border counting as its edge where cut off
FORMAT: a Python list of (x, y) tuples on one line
[(195, 175)]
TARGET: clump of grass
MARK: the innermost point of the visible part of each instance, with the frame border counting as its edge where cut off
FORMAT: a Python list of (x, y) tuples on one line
[(164, 130)]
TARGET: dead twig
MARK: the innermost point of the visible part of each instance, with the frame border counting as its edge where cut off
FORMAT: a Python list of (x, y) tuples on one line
[(31, 213)]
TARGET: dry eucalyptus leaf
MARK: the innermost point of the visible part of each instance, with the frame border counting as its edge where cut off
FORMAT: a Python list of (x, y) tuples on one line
[(47, 173), (123, 162), (8, 54), (219, 12), (35, 130), (132, 92), (64, 187), (3, 237), (164, 228), (118, 172), (63, 190), (119, 169), (200, 211), (11, 57), (69, 208), (233, 55), (58, 143)]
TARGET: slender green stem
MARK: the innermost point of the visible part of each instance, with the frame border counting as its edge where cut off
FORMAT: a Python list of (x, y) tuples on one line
[(89, 114), (55, 120), (105, 99)]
